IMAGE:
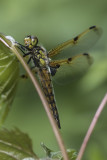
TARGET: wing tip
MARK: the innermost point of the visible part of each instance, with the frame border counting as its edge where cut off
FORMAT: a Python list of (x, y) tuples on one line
[(96, 29), (89, 58)]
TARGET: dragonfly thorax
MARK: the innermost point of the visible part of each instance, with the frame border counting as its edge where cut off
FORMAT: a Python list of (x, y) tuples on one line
[(39, 56), (37, 53)]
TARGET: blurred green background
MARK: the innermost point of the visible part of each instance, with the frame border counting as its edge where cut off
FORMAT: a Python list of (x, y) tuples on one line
[(54, 22)]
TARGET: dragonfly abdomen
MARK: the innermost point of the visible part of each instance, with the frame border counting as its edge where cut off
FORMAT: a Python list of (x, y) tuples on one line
[(47, 87)]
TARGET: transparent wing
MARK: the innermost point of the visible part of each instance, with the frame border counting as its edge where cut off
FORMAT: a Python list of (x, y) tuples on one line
[(71, 68), (9, 73), (79, 44)]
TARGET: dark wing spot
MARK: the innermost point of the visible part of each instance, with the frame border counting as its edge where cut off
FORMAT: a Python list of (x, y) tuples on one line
[(85, 54), (69, 60), (76, 38), (90, 59), (92, 27)]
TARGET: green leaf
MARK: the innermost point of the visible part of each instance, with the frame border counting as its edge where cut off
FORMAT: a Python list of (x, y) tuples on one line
[(15, 145), (9, 74), (58, 155)]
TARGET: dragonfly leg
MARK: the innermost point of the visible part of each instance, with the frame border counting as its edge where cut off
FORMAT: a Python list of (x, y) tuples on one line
[(29, 60), (23, 49), (21, 46), (26, 54)]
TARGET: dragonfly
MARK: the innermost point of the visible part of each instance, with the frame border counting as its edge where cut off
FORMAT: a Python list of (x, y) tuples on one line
[(59, 62)]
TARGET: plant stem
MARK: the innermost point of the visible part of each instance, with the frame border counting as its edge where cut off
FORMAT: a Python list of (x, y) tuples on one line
[(91, 127), (44, 101)]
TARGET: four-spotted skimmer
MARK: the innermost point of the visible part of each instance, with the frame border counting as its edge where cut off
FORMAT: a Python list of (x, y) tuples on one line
[(49, 64)]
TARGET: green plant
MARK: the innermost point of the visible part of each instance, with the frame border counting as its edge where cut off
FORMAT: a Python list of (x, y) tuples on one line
[(15, 144)]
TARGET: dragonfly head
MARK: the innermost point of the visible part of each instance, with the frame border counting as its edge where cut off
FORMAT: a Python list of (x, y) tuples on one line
[(30, 41)]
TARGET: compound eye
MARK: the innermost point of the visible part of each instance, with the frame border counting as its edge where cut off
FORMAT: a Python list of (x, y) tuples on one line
[(34, 41)]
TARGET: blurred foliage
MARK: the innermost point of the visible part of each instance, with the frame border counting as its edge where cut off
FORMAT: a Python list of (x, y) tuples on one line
[(15, 145), (54, 22), (72, 155), (9, 75)]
